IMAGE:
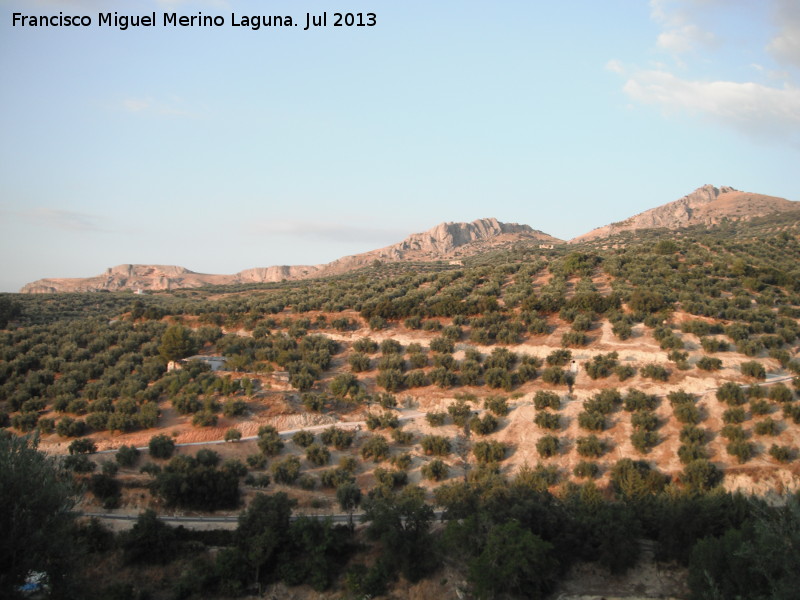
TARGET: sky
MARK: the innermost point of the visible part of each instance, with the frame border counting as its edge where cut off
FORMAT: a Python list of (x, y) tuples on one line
[(226, 148)]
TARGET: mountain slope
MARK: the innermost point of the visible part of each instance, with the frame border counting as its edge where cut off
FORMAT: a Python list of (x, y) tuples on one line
[(445, 241), (707, 205)]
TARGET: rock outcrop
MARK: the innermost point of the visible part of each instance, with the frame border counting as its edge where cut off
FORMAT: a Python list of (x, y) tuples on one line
[(445, 241), (707, 205)]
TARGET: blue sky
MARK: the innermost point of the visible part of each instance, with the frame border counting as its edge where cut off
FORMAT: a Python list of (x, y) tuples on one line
[(225, 148)]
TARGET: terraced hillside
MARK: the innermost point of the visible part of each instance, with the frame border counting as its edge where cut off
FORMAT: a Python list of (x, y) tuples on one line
[(642, 366)]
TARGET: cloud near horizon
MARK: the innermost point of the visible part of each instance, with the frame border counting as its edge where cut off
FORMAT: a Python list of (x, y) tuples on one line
[(332, 232), (67, 220)]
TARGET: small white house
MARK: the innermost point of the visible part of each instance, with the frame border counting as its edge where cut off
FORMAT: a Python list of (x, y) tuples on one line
[(217, 363)]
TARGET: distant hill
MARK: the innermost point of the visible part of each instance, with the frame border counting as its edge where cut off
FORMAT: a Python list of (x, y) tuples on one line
[(446, 241), (707, 205)]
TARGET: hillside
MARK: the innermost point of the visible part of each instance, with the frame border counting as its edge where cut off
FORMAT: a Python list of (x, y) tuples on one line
[(596, 406), (707, 205), (446, 241)]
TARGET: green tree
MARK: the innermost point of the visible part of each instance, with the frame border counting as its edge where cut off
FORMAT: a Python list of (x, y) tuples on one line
[(402, 522), (36, 498), (161, 446), (514, 561), (348, 495), (176, 343)]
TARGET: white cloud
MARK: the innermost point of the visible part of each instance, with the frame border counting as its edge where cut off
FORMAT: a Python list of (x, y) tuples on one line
[(135, 104), (680, 30), (766, 109), (680, 40), (68, 220), (757, 110), (785, 46), (615, 66)]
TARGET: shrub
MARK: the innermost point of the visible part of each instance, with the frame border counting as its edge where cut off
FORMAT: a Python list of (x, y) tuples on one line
[(602, 365), (460, 412), (593, 421), (574, 339), (741, 449), (603, 402), (730, 393), (544, 399), (692, 435), (345, 384), (489, 452), (644, 420), (638, 400), (557, 376), (586, 469), (234, 408), (390, 346), (548, 420), (391, 380), (624, 372), (204, 418), (753, 369), (318, 455), (435, 470), (269, 440), (708, 363), (734, 415), (436, 445), (781, 453), (286, 471), (483, 426), (712, 345), (79, 463), (341, 439), (591, 446), (402, 437), (390, 479), (559, 358), (127, 456), (442, 344), (679, 397), (691, 452), (376, 447), (82, 446), (686, 413), (732, 432), (792, 411), (303, 438), (233, 435), (365, 345), (497, 404), (700, 475), (161, 446), (766, 427), (436, 419), (359, 362), (760, 407), (547, 446), (401, 461), (780, 393), (655, 372), (644, 440)]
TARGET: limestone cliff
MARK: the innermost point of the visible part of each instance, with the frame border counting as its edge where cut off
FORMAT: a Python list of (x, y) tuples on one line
[(445, 241)]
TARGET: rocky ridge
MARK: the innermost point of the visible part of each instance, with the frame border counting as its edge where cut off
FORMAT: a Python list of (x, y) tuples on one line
[(443, 242), (707, 205)]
